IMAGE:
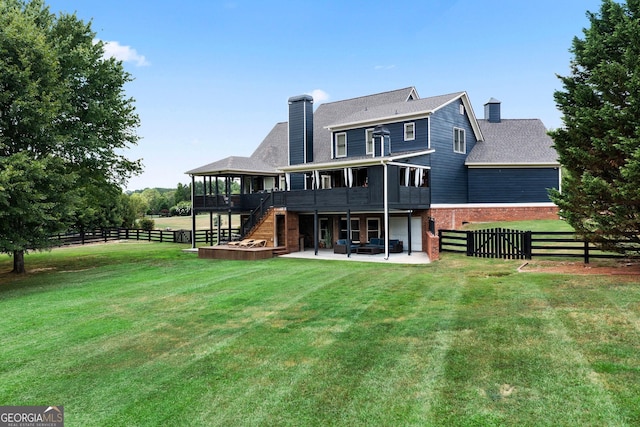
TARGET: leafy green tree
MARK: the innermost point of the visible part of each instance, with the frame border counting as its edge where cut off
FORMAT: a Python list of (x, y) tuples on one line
[(182, 194), (153, 199), (127, 212), (64, 124), (599, 145), (34, 196), (139, 204)]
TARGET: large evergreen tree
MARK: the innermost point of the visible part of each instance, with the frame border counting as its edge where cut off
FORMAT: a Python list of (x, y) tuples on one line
[(64, 122), (599, 145)]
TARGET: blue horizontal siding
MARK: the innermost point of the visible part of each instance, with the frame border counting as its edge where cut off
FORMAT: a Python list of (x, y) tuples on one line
[(356, 146), (448, 171), (511, 185), (300, 132)]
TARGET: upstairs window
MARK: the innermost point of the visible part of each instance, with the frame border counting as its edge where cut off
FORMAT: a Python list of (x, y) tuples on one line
[(341, 145), (409, 131), (459, 141), (368, 137)]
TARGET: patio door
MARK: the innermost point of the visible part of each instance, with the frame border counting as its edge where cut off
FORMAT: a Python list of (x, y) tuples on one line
[(280, 237), (324, 230), (398, 229)]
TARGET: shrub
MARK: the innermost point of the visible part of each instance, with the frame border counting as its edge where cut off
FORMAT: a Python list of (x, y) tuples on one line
[(181, 209), (146, 224)]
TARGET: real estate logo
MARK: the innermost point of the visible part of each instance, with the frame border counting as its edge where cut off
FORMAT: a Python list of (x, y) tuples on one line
[(31, 416)]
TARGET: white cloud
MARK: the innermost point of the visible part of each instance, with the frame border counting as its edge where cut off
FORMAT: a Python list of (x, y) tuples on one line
[(113, 49), (319, 95)]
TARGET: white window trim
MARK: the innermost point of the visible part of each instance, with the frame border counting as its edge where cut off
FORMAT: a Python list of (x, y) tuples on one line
[(338, 155), (413, 127), (353, 229), (378, 230), (369, 148), (325, 181), (462, 108), (463, 141)]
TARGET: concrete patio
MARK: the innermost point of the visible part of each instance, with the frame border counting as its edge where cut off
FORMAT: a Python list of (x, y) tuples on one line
[(327, 254)]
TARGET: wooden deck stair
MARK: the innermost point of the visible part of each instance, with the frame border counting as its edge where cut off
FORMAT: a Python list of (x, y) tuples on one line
[(265, 230)]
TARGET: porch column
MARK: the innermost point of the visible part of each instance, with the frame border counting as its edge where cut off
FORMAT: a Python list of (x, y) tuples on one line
[(193, 212), (348, 233), (219, 224), (217, 194), (409, 232), (210, 220), (386, 211), (229, 227), (315, 232), (384, 134)]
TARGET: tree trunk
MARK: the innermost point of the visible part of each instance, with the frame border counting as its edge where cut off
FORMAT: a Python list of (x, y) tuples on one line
[(18, 262)]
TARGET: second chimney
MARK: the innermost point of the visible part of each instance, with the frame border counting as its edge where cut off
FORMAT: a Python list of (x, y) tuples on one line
[(492, 111)]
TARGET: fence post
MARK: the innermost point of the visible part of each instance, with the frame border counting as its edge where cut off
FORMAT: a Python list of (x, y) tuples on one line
[(586, 251), (469, 243), (439, 240), (527, 249)]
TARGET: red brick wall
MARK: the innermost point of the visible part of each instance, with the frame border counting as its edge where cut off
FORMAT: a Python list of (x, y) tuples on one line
[(453, 218), (431, 245)]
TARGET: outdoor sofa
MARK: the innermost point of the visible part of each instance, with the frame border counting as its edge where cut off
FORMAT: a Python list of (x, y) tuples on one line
[(341, 247), (395, 245)]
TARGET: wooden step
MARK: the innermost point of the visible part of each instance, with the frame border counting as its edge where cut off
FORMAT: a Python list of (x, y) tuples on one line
[(280, 250)]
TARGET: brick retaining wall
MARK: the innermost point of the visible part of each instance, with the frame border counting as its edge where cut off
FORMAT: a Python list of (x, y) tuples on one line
[(452, 218), (455, 217)]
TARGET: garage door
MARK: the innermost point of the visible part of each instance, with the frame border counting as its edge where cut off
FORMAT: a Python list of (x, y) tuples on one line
[(398, 228)]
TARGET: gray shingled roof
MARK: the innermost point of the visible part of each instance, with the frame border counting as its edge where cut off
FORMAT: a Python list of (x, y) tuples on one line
[(333, 112), (513, 141), (507, 142), (398, 109), (234, 165), (274, 151)]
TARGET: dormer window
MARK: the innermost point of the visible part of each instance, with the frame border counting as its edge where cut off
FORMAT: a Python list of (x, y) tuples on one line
[(341, 144), (409, 131)]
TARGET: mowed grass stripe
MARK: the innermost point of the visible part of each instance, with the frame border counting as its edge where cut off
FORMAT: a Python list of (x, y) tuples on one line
[(514, 355), (601, 315)]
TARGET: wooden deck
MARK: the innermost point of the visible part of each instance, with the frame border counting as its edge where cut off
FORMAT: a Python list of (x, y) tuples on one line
[(236, 253)]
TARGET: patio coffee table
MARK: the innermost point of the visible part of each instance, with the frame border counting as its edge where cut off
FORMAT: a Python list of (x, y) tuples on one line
[(369, 250)]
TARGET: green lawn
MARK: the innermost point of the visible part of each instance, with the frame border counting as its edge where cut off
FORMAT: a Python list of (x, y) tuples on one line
[(537, 225), (142, 334)]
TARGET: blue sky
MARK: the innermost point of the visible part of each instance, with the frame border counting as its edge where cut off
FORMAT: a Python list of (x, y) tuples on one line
[(213, 77)]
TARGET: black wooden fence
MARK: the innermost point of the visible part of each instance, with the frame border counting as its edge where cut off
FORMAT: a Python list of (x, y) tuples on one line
[(513, 244), (499, 243), (164, 236)]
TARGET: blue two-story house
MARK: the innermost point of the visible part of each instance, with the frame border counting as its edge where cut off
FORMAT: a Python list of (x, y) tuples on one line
[(390, 165)]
